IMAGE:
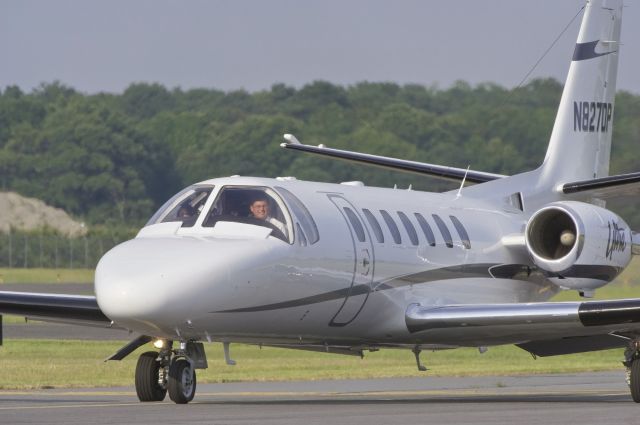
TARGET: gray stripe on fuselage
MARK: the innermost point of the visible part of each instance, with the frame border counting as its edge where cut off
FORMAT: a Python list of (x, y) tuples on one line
[(480, 270), (445, 273), (314, 299)]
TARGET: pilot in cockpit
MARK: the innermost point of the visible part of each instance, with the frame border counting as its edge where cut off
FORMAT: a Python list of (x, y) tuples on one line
[(185, 212), (259, 208)]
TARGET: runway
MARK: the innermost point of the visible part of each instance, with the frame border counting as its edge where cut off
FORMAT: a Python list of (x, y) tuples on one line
[(591, 398)]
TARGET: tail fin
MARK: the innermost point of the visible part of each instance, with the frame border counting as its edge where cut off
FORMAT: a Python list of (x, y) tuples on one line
[(580, 143)]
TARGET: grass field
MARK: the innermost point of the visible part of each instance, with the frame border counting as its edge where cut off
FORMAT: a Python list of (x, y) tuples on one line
[(57, 364), (45, 276)]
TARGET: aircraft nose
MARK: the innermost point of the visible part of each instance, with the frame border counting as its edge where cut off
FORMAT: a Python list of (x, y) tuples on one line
[(142, 282)]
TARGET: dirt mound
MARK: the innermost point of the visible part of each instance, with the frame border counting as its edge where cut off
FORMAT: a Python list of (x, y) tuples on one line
[(22, 213)]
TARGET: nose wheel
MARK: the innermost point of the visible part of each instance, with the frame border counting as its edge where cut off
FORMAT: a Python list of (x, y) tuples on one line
[(157, 373), (150, 380), (182, 381)]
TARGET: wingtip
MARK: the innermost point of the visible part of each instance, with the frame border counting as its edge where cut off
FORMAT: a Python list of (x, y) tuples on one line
[(290, 138)]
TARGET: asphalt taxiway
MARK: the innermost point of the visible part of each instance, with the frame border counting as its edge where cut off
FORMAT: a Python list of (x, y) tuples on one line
[(591, 398)]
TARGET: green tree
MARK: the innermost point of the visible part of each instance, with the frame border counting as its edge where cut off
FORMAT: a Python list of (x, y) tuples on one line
[(143, 100)]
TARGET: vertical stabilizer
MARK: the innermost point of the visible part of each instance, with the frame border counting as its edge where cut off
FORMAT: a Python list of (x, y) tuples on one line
[(580, 143)]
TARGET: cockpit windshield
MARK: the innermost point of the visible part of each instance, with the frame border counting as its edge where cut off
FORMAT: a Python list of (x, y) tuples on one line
[(259, 206), (185, 206)]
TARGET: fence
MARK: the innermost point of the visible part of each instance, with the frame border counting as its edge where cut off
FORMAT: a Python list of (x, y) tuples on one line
[(24, 250)]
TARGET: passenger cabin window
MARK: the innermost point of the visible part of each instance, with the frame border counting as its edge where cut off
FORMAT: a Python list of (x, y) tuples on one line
[(355, 223), (259, 206), (185, 206), (302, 214), (446, 235), (375, 226), (464, 237), (411, 231), (426, 229), (393, 228)]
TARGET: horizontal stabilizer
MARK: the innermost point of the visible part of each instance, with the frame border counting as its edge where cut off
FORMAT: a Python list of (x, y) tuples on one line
[(438, 171), (55, 307), (606, 187)]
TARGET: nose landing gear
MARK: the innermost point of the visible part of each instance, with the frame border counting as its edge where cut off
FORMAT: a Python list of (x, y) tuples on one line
[(150, 377), (170, 371), (182, 381)]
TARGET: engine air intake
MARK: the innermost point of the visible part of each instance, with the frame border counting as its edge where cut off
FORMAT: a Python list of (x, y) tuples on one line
[(552, 233)]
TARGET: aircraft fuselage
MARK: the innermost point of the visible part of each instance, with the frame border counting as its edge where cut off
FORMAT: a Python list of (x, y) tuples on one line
[(352, 286)]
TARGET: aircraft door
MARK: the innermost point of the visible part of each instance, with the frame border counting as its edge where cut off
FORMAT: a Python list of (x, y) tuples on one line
[(364, 264)]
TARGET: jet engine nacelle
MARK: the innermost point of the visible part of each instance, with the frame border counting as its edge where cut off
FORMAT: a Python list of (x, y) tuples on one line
[(579, 245)]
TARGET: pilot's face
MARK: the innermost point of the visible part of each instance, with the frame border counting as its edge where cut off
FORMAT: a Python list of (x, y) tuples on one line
[(260, 209)]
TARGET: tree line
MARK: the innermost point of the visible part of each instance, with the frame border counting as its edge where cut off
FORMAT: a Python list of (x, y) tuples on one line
[(113, 158)]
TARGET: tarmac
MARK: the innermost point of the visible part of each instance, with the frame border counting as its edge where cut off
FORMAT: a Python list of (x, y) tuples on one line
[(590, 398)]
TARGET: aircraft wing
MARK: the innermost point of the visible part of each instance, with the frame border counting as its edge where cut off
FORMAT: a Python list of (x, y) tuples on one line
[(544, 329), (606, 187), (74, 309), (439, 171)]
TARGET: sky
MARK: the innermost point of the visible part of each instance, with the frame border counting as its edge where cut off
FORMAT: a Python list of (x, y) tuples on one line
[(103, 46)]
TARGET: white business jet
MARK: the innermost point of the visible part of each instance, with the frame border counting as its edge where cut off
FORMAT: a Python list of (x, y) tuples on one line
[(346, 268)]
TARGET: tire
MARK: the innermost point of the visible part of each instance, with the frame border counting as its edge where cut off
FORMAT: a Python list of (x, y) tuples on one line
[(147, 371), (634, 384), (182, 381)]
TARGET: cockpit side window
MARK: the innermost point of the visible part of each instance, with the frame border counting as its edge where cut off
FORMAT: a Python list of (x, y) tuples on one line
[(185, 206), (255, 205), (302, 214), (302, 239)]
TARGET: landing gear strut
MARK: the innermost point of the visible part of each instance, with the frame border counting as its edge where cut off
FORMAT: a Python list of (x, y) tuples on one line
[(169, 370), (632, 362)]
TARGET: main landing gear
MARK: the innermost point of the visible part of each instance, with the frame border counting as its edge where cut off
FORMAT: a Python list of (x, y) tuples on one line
[(170, 371), (632, 362)]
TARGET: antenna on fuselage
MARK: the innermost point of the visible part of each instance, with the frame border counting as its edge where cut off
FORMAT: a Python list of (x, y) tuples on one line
[(459, 194)]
